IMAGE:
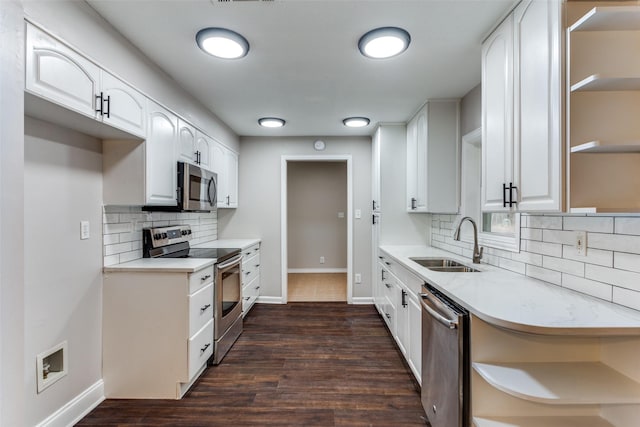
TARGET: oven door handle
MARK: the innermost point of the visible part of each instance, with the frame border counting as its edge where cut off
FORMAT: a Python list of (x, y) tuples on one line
[(235, 260), (426, 299)]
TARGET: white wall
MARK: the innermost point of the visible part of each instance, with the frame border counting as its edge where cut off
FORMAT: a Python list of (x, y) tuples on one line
[(76, 23), (397, 226), (470, 108), (258, 214), (12, 390), (316, 192), (63, 274)]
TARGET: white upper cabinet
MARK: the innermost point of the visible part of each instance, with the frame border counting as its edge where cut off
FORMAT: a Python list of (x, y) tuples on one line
[(432, 158), (225, 164), (203, 148), (522, 111), (61, 75), (127, 108), (186, 142), (161, 166)]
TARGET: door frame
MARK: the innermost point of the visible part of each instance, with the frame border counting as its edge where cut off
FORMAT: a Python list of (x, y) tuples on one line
[(284, 160)]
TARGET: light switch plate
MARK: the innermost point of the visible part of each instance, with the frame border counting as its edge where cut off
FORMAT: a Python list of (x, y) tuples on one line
[(85, 230), (358, 278), (340, 214), (358, 214)]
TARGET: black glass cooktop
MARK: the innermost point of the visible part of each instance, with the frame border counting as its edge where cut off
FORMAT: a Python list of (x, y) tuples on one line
[(220, 254)]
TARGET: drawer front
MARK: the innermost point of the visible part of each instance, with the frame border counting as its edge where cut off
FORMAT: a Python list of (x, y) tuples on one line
[(247, 303), (390, 289), (250, 269), (200, 278), (200, 308), (200, 348), (389, 315), (251, 251), (252, 289)]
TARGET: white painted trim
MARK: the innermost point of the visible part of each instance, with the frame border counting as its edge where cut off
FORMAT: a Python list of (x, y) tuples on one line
[(362, 300), (270, 300), (317, 270), (74, 410), (283, 215)]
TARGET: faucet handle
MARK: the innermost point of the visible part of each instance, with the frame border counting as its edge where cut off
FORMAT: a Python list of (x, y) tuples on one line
[(481, 251)]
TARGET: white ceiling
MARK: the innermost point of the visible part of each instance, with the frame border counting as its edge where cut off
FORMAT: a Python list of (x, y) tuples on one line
[(304, 65)]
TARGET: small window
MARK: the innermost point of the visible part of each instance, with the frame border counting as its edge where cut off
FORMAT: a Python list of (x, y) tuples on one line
[(495, 229)]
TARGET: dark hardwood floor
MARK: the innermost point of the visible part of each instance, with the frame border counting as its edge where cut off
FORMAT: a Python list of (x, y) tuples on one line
[(301, 364)]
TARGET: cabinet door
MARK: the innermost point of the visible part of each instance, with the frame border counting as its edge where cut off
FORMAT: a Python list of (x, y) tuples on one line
[(186, 142), (232, 179), (218, 154), (415, 336), (402, 323), (538, 102), (59, 74), (413, 165), (127, 107), (161, 166), (497, 115), (203, 148)]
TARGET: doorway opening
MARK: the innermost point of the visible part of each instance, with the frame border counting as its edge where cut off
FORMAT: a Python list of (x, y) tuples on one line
[(316, 228)]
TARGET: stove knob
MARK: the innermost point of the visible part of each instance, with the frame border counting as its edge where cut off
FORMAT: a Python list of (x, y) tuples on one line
[(157, 236), (188, 231), (164, 235), (184, 232)]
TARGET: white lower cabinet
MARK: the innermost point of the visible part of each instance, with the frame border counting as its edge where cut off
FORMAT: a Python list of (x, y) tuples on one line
[(397, 301), (250, 277), (157, 332)]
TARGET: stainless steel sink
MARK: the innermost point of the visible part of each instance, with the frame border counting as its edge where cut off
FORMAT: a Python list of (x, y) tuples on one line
[(444, 265)]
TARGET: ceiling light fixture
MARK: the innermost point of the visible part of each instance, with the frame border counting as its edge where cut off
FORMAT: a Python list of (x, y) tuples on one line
[(384, 42), (356, 122), (271, 122), (222, 43)]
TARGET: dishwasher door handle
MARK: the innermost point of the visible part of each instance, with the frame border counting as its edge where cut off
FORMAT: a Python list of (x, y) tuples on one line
[(451, 324)]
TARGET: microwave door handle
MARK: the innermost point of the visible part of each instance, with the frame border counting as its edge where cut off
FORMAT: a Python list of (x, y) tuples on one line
[(213, 199)]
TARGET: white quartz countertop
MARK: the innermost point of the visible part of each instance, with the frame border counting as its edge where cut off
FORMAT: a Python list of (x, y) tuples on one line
[(228, 243), (520, 303), (168, 265)]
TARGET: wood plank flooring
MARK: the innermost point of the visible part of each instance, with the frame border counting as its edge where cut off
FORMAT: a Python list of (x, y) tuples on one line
[(317, 287), (300, 364)]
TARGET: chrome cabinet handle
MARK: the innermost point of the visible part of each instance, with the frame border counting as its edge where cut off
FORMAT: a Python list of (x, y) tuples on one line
[(246, 273), (204, 308), (247, 298), (206, 346), (388, 316), (257, 265), (404, 298), (382, 276), (414, 201), (387, 285), (257, 287), (203, 278)]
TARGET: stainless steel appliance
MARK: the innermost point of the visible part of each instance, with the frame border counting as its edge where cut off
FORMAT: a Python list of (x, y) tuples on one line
[(173, 242), (445, 360), (197, 190)]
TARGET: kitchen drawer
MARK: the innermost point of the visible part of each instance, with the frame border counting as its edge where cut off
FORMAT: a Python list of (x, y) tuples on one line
[(252, 288), (200, 278), (389, 315), (200, 308), (251, 251), (390, 288), (200, 348), (247, 303), (250, 269)]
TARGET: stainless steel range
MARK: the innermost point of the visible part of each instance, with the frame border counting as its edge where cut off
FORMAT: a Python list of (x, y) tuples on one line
[(173, 242)]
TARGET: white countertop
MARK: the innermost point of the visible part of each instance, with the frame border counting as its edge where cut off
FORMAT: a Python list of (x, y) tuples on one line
[(517, 302), (228, 243), (168, 265)]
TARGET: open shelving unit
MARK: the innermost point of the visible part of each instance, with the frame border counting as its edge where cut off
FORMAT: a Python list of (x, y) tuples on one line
[(603, 106), (533, 380)]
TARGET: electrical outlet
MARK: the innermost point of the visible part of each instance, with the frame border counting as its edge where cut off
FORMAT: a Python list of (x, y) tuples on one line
[(321, 260), (581, 243), (358, 278), (340, 214)]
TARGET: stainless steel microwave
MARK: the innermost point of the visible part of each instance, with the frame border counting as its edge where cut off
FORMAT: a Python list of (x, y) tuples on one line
[(197, 188)]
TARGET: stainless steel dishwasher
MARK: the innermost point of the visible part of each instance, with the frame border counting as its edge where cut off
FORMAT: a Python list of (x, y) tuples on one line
[(445, 360)]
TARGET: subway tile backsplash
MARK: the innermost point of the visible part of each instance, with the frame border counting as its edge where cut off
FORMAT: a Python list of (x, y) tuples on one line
[(610, 270), (122, 229)]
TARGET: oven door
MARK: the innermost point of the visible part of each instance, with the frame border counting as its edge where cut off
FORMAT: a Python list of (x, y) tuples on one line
[(199, 189), (227, 295)]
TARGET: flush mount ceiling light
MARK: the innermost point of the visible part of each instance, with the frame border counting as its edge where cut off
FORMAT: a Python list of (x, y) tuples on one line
[(271, 122), (356, 122), (384, 42), (222, 43)]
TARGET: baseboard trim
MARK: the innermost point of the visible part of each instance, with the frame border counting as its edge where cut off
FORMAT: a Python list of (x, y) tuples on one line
[(317, 270), (270, 300), (74, 410), (362, 300)]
